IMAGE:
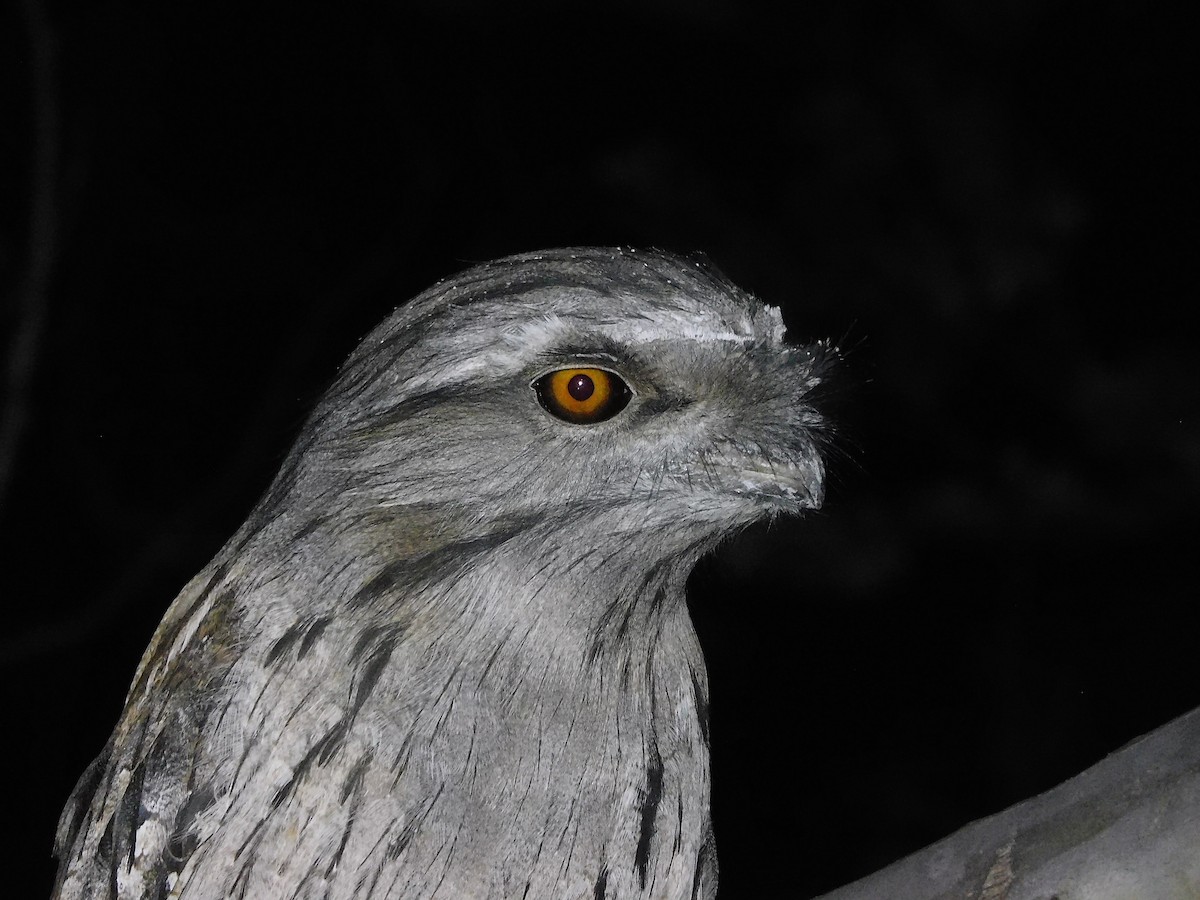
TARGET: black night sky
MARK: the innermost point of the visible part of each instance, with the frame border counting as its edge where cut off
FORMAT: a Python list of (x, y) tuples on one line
[(992, 207)]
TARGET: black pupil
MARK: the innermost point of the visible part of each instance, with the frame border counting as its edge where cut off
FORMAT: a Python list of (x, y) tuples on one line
[(580, 387)]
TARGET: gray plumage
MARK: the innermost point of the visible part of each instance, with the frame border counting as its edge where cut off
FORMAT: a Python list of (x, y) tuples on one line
[(448, 654)]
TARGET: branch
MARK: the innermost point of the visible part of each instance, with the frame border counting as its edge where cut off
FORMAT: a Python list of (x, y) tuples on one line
[(1129, 827)]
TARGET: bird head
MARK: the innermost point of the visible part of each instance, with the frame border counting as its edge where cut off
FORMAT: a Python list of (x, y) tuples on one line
[(598, 392)]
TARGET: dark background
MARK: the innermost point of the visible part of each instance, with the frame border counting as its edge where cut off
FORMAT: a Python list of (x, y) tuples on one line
[(991, 207)]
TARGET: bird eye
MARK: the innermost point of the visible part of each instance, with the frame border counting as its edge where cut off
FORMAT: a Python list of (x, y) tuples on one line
[(582, 395)]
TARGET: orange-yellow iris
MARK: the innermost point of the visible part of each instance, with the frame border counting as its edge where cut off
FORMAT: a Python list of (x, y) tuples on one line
[(582, 395)]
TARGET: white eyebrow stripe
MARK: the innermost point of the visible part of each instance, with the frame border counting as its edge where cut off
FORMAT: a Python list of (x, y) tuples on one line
[(551, 329), (538, 334), (653, 331), (525, 340)]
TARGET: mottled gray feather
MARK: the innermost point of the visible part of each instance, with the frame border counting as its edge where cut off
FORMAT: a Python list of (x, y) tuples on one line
[(448, 654)]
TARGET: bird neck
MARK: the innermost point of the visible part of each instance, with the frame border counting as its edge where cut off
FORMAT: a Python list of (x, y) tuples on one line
[(565, 707)]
